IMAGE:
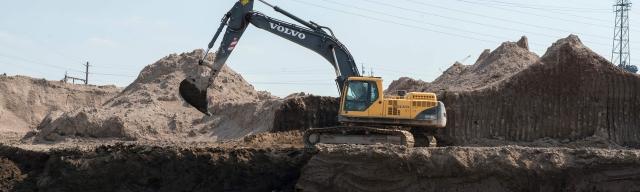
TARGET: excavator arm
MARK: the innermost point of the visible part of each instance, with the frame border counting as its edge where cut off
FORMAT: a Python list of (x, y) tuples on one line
[(311, 36)]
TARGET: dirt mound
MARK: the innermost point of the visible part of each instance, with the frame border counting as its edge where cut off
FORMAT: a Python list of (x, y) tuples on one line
[(406, 84), (151, 108), (301, 112), (571, 94), (394, 168), (491, 67), (25, 101)]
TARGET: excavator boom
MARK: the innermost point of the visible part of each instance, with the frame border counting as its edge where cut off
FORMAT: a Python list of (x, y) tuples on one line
[(310, 35)]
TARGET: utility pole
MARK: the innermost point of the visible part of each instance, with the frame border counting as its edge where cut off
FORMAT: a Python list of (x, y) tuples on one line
[(73, 79), (86, 73), (621, 56)]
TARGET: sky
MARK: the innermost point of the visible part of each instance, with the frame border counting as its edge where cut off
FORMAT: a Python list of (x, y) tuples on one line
[(390, 38)]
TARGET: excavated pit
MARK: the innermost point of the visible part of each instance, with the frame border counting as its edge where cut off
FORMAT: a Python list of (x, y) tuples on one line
[(507, 168), (206, 167), (132, 167)]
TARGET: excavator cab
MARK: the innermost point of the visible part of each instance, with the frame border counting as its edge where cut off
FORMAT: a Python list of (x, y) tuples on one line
[(362, 96)]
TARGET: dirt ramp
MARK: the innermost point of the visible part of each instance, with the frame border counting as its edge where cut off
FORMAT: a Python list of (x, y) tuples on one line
[(392, 168), (571, 94), (25, 101), (151, 108)]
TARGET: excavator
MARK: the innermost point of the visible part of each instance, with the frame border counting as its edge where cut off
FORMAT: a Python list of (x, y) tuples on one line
[(366, 116)]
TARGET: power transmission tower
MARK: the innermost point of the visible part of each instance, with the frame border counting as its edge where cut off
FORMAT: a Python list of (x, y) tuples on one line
[(621, 55)]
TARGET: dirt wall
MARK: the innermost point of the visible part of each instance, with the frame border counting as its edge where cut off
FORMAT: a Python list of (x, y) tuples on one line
[(159, 168), (572, 93), (301, 112), (234, 167), (393, 168)]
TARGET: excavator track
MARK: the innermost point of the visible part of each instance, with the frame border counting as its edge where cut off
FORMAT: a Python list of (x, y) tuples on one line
[(357, 135)]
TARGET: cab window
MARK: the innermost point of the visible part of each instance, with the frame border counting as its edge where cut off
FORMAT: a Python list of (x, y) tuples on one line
[(360, 95)]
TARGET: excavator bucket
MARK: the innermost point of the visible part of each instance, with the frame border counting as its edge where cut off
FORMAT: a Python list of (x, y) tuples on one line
[(195, 96)]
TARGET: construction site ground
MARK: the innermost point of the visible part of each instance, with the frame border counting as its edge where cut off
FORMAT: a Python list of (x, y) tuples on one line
[(564, 121)]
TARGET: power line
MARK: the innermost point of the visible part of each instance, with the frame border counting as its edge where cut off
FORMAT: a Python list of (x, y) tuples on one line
[(379, 69), (462, 20), (23, 67), (57, 51), (506, 20), (37, 63), (546, 9), (54, 51), (534, 14), (550, 8), (393, 22), (61, 68), (289, 83), (111, 74), (415, 20)]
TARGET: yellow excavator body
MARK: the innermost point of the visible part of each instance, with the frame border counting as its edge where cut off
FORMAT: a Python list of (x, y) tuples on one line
[(367, 116), (363, 101)]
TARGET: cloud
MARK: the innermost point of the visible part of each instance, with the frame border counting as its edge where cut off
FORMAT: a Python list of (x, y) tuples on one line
[(101, 42)]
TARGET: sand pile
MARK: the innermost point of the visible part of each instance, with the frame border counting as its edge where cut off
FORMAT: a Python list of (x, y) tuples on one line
[(571, 94), (510, 168), (407, 84), (151, 108), (491, 67), (25, 101)]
